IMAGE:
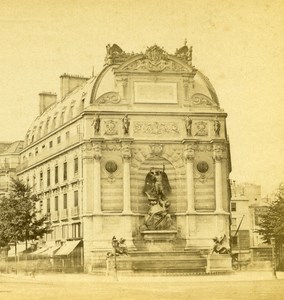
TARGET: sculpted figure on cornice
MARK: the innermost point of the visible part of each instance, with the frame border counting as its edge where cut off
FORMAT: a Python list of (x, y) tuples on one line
[(217, 127), (96, 123), (156, 128), (188, 125), (115, 54), (184, 53)]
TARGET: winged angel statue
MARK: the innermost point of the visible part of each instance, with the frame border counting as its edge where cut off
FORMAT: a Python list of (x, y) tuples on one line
[(156, 188)]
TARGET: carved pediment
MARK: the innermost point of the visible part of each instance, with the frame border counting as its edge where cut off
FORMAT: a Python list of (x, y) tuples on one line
[(155, 59)]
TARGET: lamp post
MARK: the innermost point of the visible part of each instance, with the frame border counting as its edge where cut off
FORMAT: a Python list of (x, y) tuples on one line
[(115, 244), (272, 241)]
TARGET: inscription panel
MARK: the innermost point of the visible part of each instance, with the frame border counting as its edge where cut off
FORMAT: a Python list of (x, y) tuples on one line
[(155, 92)]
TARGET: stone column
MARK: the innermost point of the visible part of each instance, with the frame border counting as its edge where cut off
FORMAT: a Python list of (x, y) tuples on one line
[(126, 156), (97, 177), (189, 158), (218, 155)]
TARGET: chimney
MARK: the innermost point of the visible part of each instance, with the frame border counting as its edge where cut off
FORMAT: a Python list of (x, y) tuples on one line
[(70, 82), (46, 99)]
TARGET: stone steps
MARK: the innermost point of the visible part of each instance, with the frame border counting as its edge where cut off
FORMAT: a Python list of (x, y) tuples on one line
[(163, 262)]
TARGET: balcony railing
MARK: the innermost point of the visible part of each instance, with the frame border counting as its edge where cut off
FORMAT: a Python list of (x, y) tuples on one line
[(75, 211), (64, 214)]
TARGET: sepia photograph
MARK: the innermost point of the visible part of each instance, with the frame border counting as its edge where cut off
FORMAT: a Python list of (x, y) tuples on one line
[(141, 149)]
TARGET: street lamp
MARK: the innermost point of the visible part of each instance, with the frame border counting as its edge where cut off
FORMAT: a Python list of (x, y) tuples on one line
[(115, 245), (272, 241)]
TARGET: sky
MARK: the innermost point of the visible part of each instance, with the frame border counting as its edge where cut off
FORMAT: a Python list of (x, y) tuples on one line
[(239, 45)]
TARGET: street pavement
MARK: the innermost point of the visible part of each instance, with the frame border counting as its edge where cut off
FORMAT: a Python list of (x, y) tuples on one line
[(238, 285)]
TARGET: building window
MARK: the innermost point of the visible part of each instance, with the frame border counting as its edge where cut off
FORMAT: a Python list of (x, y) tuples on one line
[(76, 166), (65, 201), (56, 174), (34, 182), (65, 232), (233, 206), (48, 177), (76, 230), (58, 139), (48, 205), (56, 203), (76, 198), (36, 151), (67, 135), (43, 146), (234, 221), (41, 179), (50, 144), (65, 171)]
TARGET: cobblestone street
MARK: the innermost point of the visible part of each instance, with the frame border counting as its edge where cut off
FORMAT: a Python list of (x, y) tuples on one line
[(242, 285)]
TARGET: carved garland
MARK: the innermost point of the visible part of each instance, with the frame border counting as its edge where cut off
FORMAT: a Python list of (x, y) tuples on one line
[(156, 128)]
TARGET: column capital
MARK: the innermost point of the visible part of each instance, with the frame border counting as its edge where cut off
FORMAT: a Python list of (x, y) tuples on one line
[(218, 152), (125, 149), (189, 151), (97, 150)]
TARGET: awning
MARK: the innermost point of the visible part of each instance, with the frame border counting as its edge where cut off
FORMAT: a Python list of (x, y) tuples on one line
[(39, 251), (67, 248), (50, 251)]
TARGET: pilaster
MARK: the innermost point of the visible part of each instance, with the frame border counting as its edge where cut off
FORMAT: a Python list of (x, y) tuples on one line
[(126, 157), (218, 156), (97, 154)]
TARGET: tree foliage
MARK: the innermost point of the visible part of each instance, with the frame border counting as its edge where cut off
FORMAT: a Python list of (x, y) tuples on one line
[(20, 219), (272, 223)]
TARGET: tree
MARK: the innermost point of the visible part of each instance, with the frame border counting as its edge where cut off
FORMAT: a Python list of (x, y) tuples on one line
[(272, 223), (20, 219)]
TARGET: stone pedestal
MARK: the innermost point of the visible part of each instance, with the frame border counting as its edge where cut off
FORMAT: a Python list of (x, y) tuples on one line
[(159, 240), (218, 263)]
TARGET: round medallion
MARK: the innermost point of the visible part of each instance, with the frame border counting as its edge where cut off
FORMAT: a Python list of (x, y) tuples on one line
[(202, 167), (111, 166)]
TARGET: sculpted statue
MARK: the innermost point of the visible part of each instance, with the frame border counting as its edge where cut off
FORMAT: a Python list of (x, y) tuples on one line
[(96, 123), (119, 246), (219, 245), (217, 127), (125, 124), (188, 125), (156, 188)]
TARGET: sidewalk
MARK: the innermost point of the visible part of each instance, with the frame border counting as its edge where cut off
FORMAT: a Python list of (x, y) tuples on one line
[(54, 278)]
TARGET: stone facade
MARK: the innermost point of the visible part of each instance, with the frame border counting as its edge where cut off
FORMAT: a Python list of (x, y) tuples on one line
[(88, 154)]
